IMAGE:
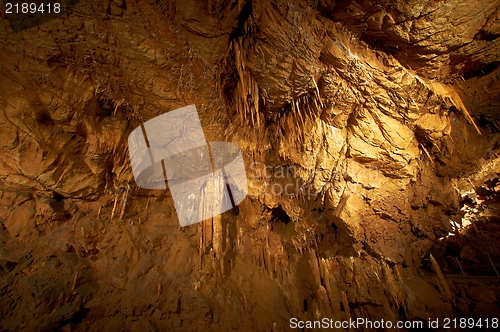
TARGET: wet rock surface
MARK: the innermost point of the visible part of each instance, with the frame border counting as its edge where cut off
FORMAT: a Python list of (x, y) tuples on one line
[(369, 132)]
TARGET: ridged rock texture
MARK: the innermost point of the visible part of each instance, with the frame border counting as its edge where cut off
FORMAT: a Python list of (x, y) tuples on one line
[(369, 131)]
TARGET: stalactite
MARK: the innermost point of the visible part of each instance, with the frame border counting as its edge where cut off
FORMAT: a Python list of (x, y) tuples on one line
[(114, 207), (217, 235), (124, 199), (200, 249), (440, 276), (227, 240), (457, 231), (203, 234), (158, 290), (240, 231), (318, 109), (263, 257), (324, 287), (332, 289), (345, 303), (73, 285), (276, 267), (313, 265)]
